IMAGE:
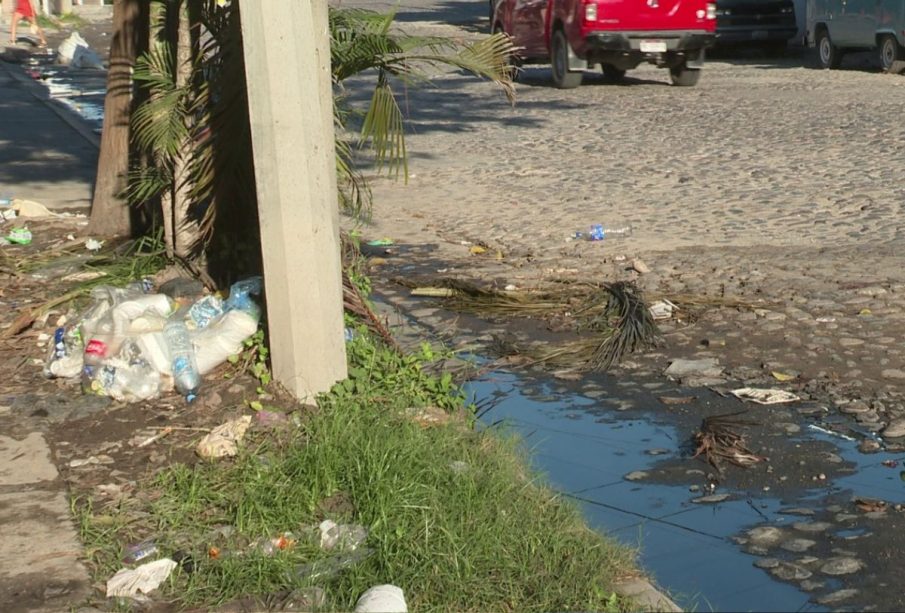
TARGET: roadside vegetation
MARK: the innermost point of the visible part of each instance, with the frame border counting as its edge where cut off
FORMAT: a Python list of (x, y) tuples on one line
[(451, 512), (66, 21)]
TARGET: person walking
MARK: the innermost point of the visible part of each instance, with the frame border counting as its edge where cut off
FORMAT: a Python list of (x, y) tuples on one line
[(24, 10)]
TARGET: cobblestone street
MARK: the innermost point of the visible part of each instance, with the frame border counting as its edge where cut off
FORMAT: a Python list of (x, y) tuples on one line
[(769, 181)]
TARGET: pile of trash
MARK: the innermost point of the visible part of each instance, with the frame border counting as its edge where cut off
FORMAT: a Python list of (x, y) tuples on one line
[(134, 345)]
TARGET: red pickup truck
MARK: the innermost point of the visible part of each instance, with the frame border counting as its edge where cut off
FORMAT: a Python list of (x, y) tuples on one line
[(575, 35)]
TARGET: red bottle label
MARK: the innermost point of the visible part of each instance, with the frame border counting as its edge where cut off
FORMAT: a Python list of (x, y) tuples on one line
[(96, 347)]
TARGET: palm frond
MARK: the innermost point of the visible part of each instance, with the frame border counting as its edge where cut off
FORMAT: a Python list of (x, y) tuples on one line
[(383, 127), (626, 324)]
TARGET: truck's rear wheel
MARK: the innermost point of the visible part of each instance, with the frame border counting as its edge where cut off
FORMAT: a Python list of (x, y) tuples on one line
[(683, 76), (829, 54), (890, 53), (562, 78)]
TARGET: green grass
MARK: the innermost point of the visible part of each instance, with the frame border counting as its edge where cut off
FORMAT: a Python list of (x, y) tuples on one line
[(486, 537), (69, 20), (73, 20)]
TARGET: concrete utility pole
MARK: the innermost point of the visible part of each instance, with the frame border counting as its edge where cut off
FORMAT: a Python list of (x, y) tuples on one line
[(290, 102)]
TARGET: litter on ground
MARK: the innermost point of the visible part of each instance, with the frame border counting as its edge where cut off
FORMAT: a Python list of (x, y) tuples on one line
[(764, 396)]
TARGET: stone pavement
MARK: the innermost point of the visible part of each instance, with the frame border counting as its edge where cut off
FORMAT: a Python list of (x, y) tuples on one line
[(42, 158)]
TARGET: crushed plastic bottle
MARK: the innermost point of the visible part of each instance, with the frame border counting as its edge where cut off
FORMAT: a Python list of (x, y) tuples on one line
[(103, 343), (186, 377), (205, 310), (121, 380), (139, 551)]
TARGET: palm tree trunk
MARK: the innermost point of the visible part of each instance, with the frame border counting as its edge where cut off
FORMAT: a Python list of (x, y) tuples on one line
[(109, 209), (185, 230)]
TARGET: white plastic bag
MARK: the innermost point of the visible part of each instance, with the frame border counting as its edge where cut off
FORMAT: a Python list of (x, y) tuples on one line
[(66, 50), (86, 57), (222, 338)]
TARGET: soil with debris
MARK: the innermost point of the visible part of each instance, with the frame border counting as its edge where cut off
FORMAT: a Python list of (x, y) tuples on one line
[(101, 448)]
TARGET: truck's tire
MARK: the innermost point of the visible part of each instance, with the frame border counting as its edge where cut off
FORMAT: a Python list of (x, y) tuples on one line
[(683, 76), (829, 55), (890, 53), (559, 63)]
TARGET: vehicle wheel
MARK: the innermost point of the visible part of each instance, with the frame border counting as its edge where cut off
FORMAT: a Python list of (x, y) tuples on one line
[(829, 54), (562, 78), (612, 73), (683, 76), (890, 52)]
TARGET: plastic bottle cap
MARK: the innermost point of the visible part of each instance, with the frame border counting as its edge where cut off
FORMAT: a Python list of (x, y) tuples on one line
[(190, 397)]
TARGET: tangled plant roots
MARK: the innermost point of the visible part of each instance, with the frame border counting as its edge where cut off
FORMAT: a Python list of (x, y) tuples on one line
[(718, 442)]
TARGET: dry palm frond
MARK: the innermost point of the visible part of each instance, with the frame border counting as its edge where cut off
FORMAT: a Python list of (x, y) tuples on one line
[(467, 297), (717, 441), (354, 302), (626, 322), (686, 301), (622, 324)]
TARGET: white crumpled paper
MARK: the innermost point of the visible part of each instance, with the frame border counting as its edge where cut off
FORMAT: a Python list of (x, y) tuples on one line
[(128, 582), (224, 440), (764, 396)]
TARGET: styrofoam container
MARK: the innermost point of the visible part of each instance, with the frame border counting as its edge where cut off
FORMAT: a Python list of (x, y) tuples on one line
[(382, 599)]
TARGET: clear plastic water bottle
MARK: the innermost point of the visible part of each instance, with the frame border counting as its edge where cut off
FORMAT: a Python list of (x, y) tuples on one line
[(182, 357), (599, 232)]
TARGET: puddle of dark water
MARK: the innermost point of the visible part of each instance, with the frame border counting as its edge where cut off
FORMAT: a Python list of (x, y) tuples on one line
[(586, 448), (872, 478)]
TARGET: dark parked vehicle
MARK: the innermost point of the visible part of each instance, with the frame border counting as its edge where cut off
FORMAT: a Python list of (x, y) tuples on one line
[(768, 24), (618, 35)]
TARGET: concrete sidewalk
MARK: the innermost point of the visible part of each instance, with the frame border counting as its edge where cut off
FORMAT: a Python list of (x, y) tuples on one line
[(47, 154), (44, 157)]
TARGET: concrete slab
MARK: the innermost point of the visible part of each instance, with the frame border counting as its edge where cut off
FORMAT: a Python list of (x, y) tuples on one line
[(39, 553), (43, 157), (25, 461)]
